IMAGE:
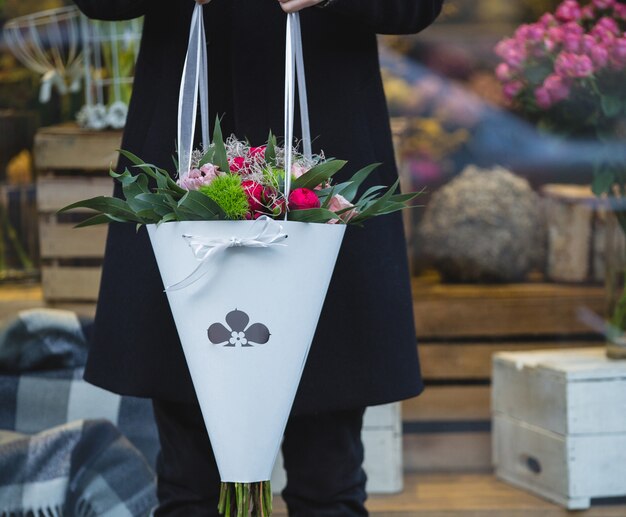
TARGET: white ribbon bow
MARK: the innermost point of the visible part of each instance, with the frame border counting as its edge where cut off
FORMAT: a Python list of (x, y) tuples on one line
[(204, 249)]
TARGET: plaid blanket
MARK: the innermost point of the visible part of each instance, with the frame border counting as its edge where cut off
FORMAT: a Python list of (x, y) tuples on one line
[(79, 464), (81, 469), (42, 354), (35, 401), (44, 339)]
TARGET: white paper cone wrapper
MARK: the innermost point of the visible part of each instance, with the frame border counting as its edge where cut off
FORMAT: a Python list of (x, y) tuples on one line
[(246, 392)]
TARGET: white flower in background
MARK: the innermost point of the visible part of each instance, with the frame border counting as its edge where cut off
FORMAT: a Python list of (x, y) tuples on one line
[(82, 117), (116, 116), (92, 117)]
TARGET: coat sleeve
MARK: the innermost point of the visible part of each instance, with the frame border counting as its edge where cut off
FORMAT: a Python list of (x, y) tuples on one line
[(389, 16), (112, 10)]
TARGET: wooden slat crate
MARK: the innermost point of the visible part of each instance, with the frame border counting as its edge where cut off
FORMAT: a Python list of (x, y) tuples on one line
[(459, 327), (559, 424), (72, 164)]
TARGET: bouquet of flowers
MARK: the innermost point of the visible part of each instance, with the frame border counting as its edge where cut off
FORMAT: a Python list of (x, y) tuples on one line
[(233, 181)]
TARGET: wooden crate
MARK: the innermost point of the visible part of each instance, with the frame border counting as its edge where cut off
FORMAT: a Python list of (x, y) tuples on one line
[(459, 327), (560, 424), (72, 164)]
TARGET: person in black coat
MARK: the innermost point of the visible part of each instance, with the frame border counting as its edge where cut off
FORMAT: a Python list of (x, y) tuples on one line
[(364, 352)]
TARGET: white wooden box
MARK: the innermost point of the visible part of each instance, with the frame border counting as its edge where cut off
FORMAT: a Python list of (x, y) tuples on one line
[(382, 439), (560, 424)]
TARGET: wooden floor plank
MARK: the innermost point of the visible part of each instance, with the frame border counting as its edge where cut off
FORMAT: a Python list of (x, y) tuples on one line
[(18, 297), (467, 495)]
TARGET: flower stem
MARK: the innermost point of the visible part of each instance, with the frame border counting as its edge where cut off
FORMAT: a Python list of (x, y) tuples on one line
[(245, 499)]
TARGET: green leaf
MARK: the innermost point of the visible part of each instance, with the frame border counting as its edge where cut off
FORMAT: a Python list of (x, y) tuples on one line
[(98, 219), (378, 205), (220, 159), (327, 197), (200, 205), (207, 157), (603, 179), (318, 174), (312, 215), (353, 185), (370, 194), (134, 159), (156, 203), (270, 150), (106, 205), (611, 105), (133, 186), (160, 175), (168, 218)]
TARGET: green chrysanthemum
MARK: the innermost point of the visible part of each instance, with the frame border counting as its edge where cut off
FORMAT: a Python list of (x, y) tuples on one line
[(228, 193)]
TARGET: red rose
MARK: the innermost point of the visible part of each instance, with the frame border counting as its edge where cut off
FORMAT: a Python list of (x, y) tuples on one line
[(257, 153), (303, 199), (255, 193), (277, 206), (238, 164)]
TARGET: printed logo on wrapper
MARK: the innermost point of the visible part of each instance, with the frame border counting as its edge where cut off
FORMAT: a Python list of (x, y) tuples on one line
[(238, 335)]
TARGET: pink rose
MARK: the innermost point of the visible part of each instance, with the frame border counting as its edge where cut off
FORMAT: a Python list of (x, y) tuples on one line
[(512, 53), (298, 170), (599, 56), (504, 72), (588, 13), (569, 10), (610, 25), (547, 20), (620, 11), (618, 54), (197, 178), (572, 42), (337, 203), (512, 88), (557, 88), (568, 64), (303, 199), (542, 97), (603, 4)]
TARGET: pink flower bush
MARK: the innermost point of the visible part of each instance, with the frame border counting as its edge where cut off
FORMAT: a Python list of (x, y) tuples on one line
[(574, 57)]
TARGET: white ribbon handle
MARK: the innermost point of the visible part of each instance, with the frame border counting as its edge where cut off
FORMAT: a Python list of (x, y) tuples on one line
[(265, 233), (294, 65), (193, 83)]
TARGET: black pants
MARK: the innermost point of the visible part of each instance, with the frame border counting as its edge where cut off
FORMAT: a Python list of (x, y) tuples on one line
[(323, 456)]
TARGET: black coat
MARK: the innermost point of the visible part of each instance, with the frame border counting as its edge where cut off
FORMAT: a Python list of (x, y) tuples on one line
[(364, 352)]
